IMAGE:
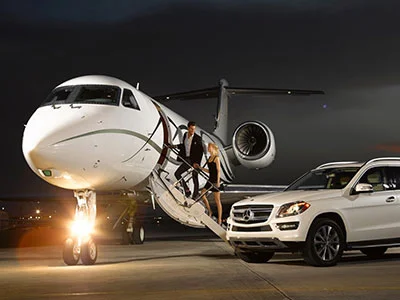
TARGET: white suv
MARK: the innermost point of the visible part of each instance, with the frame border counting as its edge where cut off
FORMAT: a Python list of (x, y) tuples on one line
[(337, 206)]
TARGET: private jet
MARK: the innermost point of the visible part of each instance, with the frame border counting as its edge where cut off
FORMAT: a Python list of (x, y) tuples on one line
[(96, 134)]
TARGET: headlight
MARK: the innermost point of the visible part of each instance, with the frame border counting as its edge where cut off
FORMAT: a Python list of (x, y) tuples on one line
[(292, 209)]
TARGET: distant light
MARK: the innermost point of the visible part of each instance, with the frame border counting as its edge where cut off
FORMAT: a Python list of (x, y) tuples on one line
[(325, 106), (2, 208), (108, 217), (289, 92), (38, 211), (49, 217)]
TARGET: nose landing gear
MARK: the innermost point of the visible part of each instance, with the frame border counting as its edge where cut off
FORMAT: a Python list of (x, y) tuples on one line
[(75, 248), (81, 245)]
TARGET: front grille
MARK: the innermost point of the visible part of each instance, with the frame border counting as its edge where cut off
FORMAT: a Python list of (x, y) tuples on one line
[(250, 214), (252, 229)]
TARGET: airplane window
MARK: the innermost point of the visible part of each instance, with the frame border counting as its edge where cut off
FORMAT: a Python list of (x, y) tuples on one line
[(98, 94), (57, 95), (93, 94), (128, 100)]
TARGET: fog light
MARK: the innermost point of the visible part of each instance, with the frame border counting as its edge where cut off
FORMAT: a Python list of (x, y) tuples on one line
[(288, 226)]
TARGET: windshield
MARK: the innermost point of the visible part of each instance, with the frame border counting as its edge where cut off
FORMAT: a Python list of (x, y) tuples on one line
[(320, 179), (94, 94)]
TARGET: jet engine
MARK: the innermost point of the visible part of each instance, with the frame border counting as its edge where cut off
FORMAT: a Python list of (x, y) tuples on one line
[(253, 145)]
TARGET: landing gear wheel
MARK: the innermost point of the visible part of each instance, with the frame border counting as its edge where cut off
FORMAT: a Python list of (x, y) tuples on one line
[(71, 252), (254, 257), (375, 252), (324, 244), (138, 234), (134, 237), (88, 252)]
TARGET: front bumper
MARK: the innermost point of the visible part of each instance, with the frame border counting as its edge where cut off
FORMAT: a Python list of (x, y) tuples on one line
[(258, 244), (285, 234)]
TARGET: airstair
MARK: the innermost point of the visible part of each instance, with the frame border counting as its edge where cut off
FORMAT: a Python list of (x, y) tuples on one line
[(185, 210)]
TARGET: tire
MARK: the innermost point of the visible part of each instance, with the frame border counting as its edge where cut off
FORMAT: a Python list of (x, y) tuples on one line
[(324, 244), (71, 252), (254, 256), (375, 252), (138, 234), (89, 252), (136, 237)]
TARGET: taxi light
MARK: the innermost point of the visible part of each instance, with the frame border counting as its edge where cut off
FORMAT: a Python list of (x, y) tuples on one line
[(47, 173), (81, 228)]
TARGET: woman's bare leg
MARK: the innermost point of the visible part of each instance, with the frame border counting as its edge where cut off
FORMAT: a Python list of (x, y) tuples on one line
[(205, 200), (217, 198)]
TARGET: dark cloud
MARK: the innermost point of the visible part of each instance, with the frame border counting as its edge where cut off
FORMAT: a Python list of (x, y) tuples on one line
[(347, 48), (103, 11)]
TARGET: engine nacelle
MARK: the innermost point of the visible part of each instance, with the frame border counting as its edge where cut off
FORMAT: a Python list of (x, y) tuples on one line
[(253, 145)]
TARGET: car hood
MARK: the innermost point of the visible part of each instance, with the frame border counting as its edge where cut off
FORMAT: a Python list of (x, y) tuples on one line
[(280, 198)]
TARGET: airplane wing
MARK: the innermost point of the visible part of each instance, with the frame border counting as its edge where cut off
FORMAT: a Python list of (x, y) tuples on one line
[(231, 193)]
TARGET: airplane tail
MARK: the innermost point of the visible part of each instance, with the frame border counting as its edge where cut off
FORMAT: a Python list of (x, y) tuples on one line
[(222, 93)]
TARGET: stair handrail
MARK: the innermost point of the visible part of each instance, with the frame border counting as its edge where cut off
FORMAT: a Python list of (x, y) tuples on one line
[(189, 172)]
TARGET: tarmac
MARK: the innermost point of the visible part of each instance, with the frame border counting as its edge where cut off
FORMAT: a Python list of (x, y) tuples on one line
[(178, 263)]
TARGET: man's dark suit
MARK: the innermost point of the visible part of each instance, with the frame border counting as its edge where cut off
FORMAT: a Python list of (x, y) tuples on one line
[(196, 154)]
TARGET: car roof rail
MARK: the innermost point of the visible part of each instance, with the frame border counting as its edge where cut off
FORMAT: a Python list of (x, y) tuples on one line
[(335, 163), (382, 159)]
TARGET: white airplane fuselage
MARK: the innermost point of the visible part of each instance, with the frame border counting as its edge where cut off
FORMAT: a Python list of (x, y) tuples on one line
[(96, 146)]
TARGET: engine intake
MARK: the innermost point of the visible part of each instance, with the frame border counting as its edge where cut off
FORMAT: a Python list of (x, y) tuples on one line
[(253, 145)]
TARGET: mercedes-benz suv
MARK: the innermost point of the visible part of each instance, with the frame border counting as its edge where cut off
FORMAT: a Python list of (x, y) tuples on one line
[(335, 207)]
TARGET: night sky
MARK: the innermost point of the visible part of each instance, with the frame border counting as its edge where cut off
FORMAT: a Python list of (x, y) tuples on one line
[(349, 49)]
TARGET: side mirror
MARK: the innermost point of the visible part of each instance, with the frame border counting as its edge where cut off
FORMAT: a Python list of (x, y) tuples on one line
[(363, 188)]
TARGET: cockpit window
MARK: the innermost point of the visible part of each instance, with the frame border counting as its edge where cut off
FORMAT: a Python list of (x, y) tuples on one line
[(98, 94), (57, 95), (332, 178), (128, 100), (91, 94)]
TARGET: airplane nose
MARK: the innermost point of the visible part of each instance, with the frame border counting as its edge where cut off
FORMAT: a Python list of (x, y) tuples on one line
[(44, 156)]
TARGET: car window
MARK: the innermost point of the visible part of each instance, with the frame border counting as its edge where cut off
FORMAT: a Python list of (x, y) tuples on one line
[(374, 177), (332, 178), (393, 178)]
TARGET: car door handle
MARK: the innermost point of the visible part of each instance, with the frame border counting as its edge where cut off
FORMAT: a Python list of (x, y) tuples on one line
[(390, 199)]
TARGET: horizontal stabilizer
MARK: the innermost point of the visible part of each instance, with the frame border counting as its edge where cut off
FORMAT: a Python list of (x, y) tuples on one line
[(191, 95), (214, 93), (256, 91)]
